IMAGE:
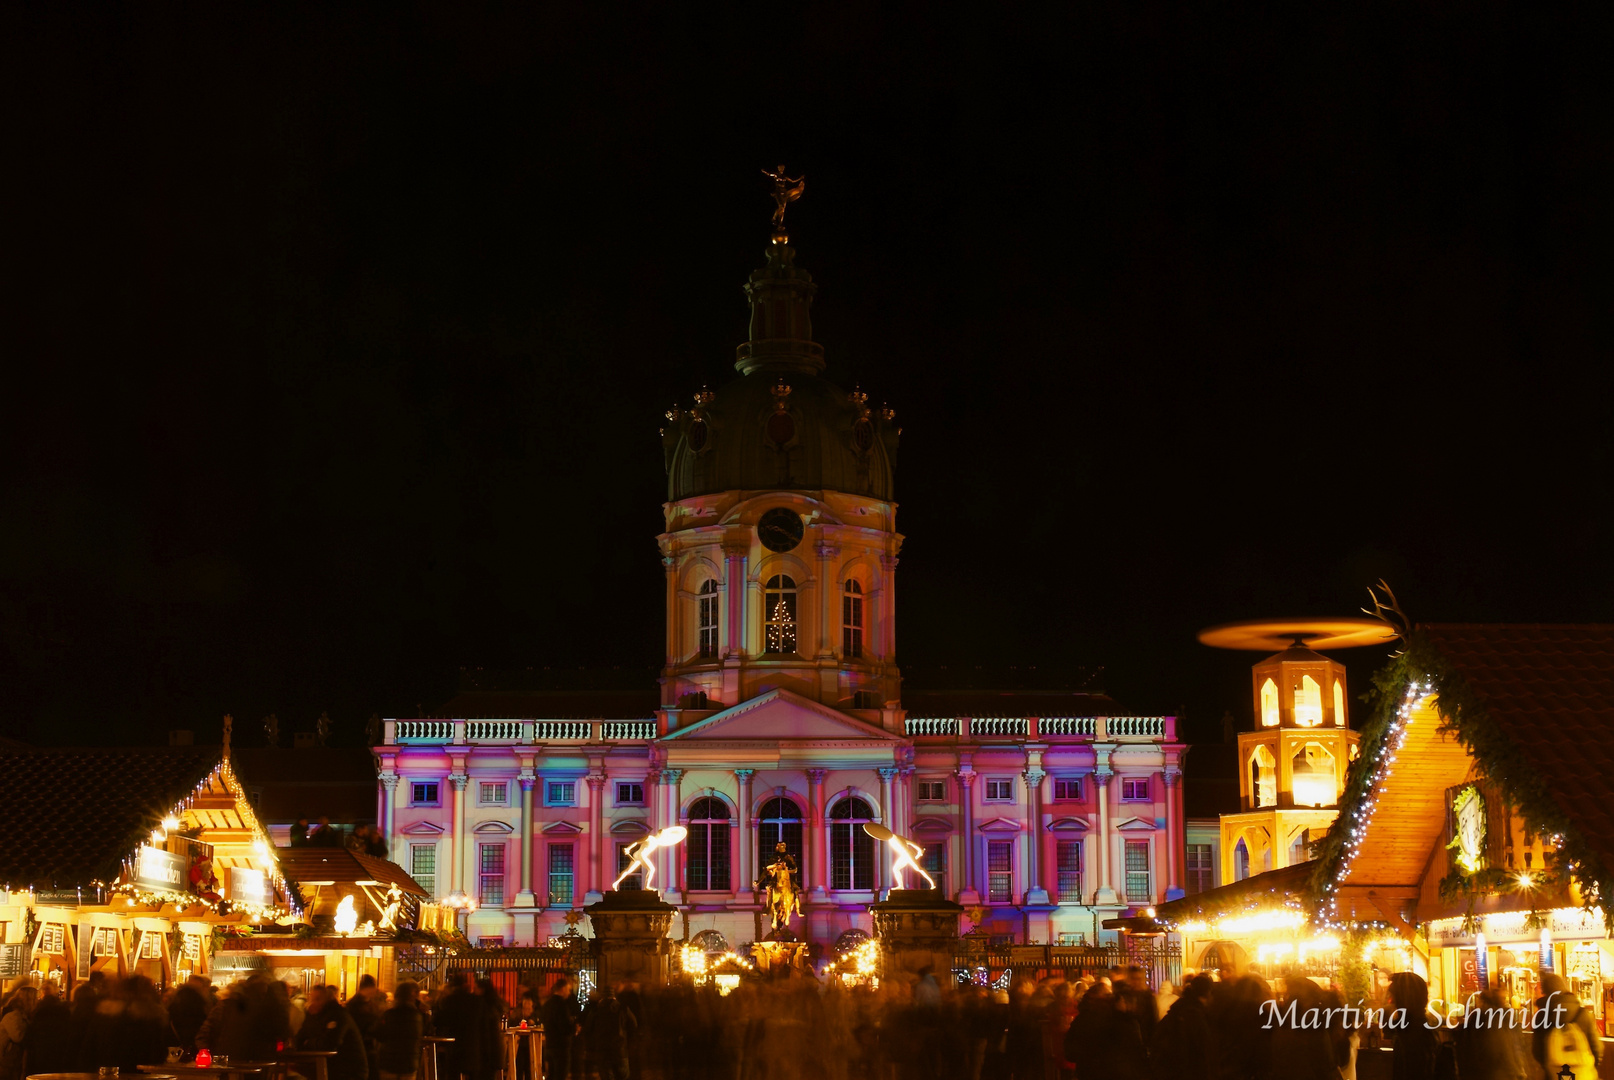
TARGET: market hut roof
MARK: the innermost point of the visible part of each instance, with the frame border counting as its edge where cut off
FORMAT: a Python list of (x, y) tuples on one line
[(311, 865), (1285, 887), (74, 816), (1528, 707)]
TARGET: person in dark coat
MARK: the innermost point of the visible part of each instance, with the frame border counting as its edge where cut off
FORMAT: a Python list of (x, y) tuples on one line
[(1487, 1049), (188, 1006), (85, 1000), (607, 1028), (1181, 1043), (489, 1029), (1104, 1041), (328, 1026), (454, 1016), (324, 836), (560, 1025), (1303, 1048), (398, 1037), (299, 833), (366, 1008), (50, 1034), (1415, 1045)]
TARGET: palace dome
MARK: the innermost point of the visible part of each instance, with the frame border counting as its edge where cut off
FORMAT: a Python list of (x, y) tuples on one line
[(781, 425)]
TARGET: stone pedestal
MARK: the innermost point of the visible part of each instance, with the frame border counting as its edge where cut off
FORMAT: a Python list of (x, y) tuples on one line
[(780, 955), (916, 928), (631, 937)]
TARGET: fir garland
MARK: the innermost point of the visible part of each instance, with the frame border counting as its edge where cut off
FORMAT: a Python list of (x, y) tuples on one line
[(1463, 712)]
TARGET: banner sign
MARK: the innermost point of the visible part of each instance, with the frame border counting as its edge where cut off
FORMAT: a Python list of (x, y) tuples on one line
[(249, 886), (159, 869)]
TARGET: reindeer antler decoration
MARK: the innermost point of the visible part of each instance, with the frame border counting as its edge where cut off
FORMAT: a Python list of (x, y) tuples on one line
[(1390, 614)]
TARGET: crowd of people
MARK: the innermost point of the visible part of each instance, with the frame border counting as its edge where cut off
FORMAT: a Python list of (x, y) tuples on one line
[(365, 839), (1109, 1027)]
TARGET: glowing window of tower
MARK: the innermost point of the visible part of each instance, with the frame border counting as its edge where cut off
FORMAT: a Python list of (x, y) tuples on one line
[(1241, 861), (1313, 777), (779, 616), (1269, 704), (708, 618), (1308, 703), (1339, 703), (1263, 778), (852, 621)]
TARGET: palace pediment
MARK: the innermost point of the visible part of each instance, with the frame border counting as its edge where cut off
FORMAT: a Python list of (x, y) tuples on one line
[(781, 714)]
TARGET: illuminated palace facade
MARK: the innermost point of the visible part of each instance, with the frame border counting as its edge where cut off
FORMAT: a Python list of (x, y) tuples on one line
[(781, 714)]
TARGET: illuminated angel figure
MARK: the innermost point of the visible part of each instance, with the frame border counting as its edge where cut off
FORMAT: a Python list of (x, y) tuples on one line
[(639, 854), (785, 191), (903, 853)]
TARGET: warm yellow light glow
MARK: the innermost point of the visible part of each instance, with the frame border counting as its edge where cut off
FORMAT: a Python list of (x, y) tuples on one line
[(1320, 944), (157, 836), (1339, 703), (1254, 923), (725, 984), (171, 823), (1526, 879), (1273, 950), (1264, 777), (1269, 704), (1308, 702), (639, 854), (347, 916)]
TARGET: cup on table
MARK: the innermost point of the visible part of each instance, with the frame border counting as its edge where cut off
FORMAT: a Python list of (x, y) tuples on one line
[(174, 1054)]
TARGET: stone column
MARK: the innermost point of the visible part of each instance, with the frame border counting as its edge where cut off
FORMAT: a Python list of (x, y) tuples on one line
[(525, 897), (826, 608), (968, 894), (600, 871), (886, 881), (1101, 783), (816, 836), (746, 842), (675, 648), (1174, 826), (389, 795), (1035, 893), (734, 640), (667, 874), (888, 608), (456, 832)]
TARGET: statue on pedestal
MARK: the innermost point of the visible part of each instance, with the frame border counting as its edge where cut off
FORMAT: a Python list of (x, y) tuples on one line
[(782, 879)]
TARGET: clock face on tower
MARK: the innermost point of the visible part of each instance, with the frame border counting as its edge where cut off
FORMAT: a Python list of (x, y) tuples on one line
[(780, 529)]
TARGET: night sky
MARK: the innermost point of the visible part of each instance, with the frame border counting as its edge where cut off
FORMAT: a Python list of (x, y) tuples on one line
[(337, 344)]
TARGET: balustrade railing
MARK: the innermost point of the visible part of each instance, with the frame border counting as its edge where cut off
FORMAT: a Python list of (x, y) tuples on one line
[(515, 732), (1136, 727), (916, 725), (1067, 725)]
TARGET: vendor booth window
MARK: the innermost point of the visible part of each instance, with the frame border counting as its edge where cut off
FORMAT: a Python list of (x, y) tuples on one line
[(1000, 871), (779, 823), (423, 866), (494, 794), (561, 793), (851, 849), (1137, 871), (708, 619), (560, 875), (424, 793), (1200, 874), (634, 880), (707, 849), (1070, 871), (491, 863), (779, 616)]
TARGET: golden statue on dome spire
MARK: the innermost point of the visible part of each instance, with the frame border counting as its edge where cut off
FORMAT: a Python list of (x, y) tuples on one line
[(785, 192)]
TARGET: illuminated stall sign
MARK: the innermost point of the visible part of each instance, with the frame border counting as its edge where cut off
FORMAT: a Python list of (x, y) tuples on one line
[(15, 960), (249, 886), (161, 870), (52, 939)]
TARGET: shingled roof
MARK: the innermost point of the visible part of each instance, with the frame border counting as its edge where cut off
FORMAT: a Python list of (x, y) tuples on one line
[(1550, 691), (73, 816), (344, 866)]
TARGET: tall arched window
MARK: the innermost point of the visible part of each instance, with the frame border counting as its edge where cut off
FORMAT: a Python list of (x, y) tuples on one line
[(851, 850), (779, 822), (852, 621), (779, 615), (1339, 703), (1269, 704), (1308, 702), (1241, 861), (707, 847), (1263, 778), (708, 618)]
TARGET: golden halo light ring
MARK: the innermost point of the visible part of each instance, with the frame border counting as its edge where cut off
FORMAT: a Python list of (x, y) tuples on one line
[(878, 831), (1275, 635)]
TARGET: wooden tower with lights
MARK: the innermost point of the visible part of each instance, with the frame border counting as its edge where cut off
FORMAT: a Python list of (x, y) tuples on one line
[(1292, 765)]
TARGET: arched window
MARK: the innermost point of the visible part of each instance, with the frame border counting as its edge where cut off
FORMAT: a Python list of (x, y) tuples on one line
[(852, 621), (708, 618), (1263, 778), (1339, 703), (707, 847), (1269, 704), (779, 823), (1312, 776), (1308, 702), (779, 616), (710, 942), (1241, 861), (851, 850)]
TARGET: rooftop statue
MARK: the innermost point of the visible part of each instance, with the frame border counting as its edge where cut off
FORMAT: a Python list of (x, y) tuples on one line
[(785, 192)]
